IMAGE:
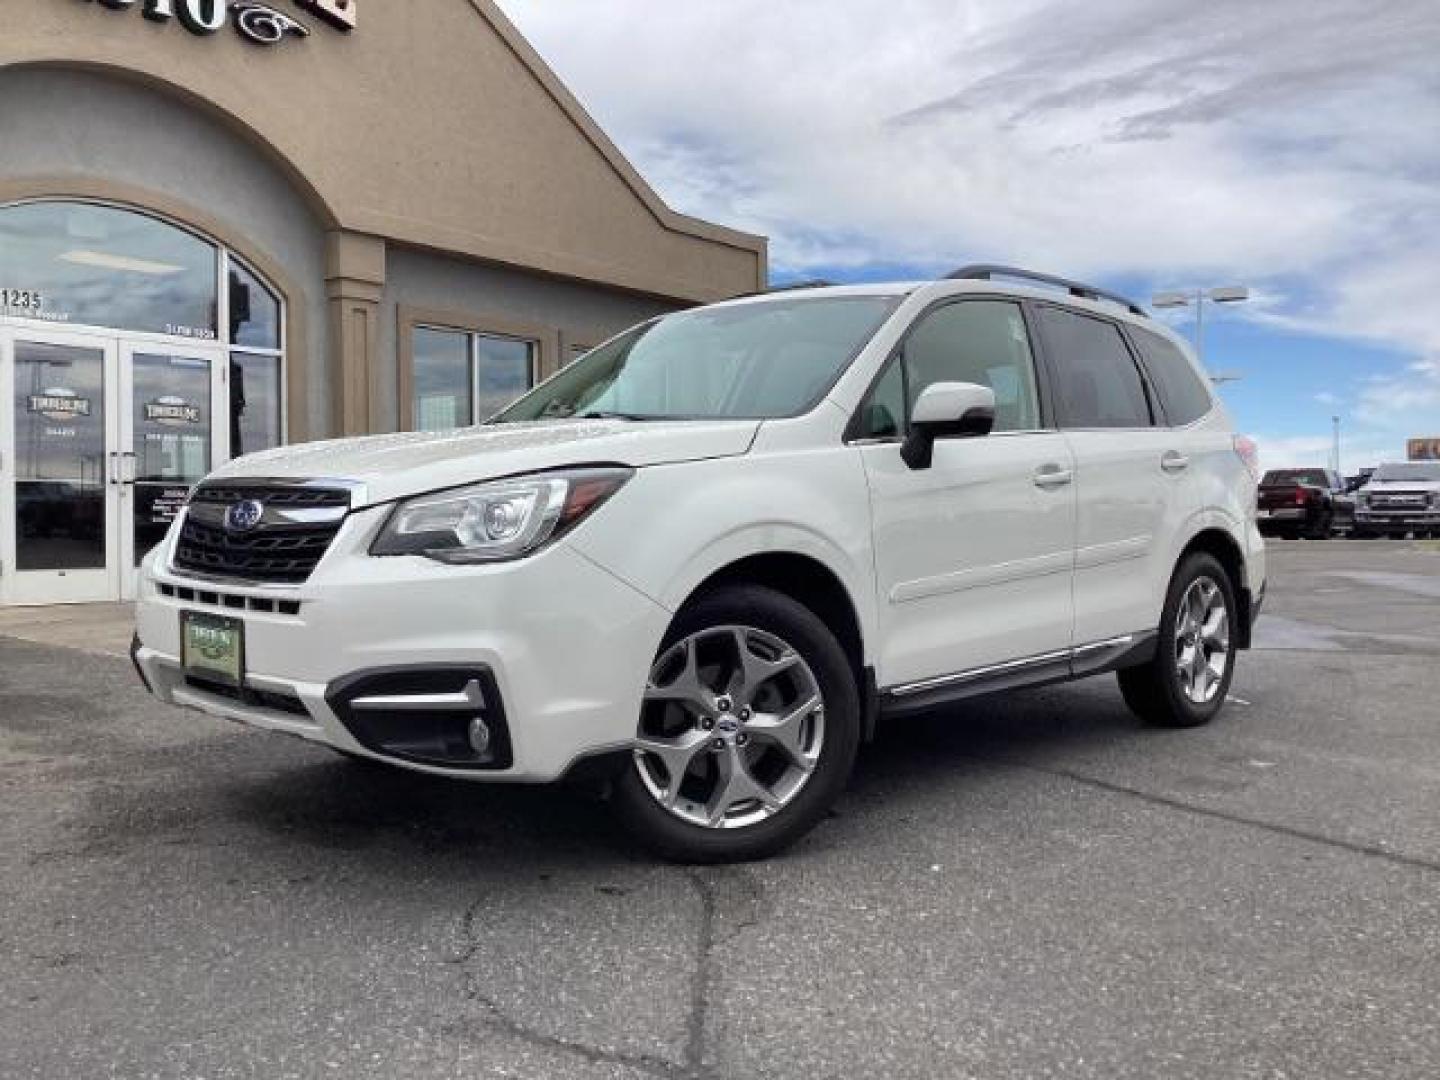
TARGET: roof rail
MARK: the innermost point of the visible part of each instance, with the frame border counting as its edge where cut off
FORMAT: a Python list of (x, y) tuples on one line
[(988, 272)]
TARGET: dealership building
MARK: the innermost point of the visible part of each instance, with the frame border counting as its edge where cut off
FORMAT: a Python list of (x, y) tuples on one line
[(227, 225)]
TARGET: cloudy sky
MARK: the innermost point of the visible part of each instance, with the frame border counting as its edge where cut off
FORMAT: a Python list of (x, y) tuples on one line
[(1289, 145)]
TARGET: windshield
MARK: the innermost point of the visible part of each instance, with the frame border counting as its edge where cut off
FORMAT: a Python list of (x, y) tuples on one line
[(758, 361), (1415, 470)]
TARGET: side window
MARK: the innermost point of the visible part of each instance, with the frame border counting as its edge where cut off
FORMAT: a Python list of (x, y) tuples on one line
[(1182, 393), (1100, 386), (974, 341)]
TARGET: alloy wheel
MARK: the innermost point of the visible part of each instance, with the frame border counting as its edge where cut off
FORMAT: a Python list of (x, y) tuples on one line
[(732, 727), (1202, 640)]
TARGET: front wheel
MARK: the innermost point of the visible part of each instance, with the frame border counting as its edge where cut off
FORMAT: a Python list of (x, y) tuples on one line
[(1186, 683), (748, 732)]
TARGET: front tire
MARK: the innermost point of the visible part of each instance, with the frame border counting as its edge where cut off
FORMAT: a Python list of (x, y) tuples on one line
[(748, 733), (1186, 683)]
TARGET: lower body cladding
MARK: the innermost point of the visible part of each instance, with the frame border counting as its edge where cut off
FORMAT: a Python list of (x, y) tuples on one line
[(483, 672)]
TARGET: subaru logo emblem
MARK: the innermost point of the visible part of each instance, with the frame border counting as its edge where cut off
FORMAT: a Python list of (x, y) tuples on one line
[(244, 516)]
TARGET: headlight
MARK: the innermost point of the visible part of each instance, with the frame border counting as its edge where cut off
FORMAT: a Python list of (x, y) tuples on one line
[(503, 519)]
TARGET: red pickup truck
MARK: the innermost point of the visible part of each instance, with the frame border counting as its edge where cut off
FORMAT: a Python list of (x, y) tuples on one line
[(1302, 502)]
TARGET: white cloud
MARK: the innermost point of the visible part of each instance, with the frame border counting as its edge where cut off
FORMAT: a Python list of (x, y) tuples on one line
[(1364, 449), (1288, 145)]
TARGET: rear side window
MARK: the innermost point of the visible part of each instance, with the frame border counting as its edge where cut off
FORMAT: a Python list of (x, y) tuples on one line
[(1100, 386), (1183, 395)]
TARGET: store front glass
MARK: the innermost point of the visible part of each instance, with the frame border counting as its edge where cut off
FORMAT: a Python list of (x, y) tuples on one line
[(134, 358)]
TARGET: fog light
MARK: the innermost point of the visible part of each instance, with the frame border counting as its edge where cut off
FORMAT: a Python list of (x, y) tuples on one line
[(480, 736)]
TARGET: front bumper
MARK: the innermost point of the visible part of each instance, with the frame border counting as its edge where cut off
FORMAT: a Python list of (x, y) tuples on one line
[(1397, 519), (564, 644)]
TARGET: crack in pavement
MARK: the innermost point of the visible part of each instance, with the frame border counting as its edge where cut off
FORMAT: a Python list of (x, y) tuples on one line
[(692, 1068), (1170, 802), (703, 975)]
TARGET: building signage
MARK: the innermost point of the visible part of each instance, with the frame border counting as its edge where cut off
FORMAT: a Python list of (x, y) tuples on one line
[(172, 412), (1423, 449), (260, 23), (21, 299), (59, 404)]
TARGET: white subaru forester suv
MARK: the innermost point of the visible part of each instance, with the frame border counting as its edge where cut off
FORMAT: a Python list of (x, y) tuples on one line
[(708, 556)]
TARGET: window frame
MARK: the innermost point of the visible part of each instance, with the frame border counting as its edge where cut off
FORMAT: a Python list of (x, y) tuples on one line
[(1044, 385), (543, 340), (1158, 420), (280, 355)]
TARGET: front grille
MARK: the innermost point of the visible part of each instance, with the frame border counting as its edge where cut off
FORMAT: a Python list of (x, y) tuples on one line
[(1398, 499), (297, 528), (229, 601), (275, 701), (289, 497)]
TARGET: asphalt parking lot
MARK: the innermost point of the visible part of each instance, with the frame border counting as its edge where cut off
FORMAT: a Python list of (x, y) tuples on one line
[(1032, 886)]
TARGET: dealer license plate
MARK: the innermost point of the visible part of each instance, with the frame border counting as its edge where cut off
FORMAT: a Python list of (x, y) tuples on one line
[(212, 648)]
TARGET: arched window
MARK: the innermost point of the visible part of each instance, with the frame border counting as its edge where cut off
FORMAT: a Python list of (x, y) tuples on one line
[(95, 265)]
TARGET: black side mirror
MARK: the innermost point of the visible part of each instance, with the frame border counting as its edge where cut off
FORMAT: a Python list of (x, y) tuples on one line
[(947, 411)]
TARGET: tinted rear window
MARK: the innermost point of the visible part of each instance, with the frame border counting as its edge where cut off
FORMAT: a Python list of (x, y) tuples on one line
[(1183, 395), (1313, 477), (1100, 386)]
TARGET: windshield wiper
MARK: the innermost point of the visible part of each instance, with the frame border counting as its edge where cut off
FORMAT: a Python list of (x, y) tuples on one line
[(610, 415)]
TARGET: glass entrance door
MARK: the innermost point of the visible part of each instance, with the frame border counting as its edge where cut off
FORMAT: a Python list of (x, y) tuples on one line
[(172, 434), (59, 478), (100, 439)]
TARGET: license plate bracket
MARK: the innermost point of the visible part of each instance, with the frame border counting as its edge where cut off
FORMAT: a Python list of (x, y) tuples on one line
[(212, 648)]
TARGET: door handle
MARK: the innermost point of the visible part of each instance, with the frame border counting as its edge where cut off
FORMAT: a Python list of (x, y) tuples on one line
[(1174, 463), (114, 468), (127, 467), (1052, 476)]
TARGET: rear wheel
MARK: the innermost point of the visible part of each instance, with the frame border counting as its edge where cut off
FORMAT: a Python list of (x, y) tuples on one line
[(748, 732), (1186, 683)]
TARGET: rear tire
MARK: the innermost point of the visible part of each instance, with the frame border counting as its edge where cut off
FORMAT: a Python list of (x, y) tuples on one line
[(1186, 682), (763, 740)]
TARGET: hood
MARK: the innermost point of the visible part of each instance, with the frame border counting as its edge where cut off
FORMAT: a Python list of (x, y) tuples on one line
[(413, 463), (1382, 486)]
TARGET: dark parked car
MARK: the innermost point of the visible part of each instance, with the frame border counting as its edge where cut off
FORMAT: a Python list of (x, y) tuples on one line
[(1312, 503)]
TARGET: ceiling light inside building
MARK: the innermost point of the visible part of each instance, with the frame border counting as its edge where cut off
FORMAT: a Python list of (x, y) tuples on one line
[(120, 262)]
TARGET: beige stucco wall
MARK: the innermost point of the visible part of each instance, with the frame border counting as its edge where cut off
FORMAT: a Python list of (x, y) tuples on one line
[(432, 125)]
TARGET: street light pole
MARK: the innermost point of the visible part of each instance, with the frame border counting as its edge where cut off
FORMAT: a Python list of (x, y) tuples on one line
[(1226, 294), (1336, 421)]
